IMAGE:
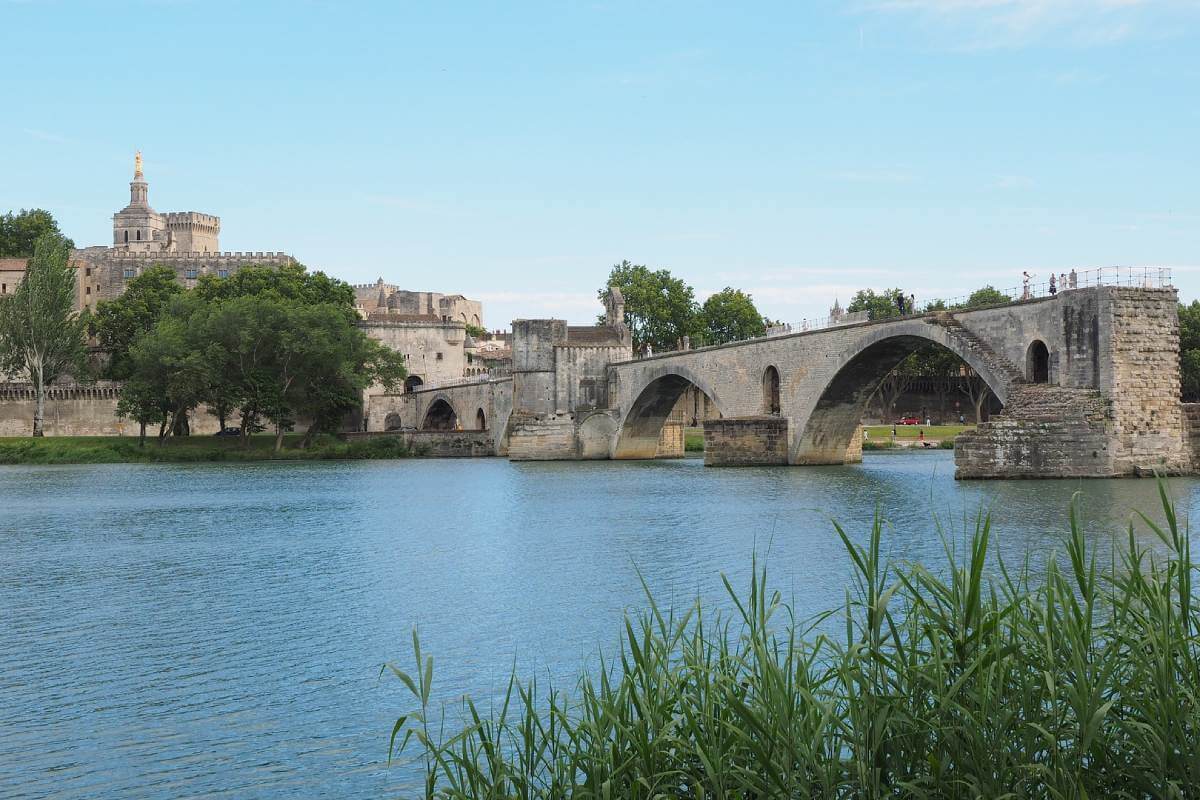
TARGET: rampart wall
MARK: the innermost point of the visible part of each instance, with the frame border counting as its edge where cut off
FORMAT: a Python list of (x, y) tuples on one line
[(78, 411)]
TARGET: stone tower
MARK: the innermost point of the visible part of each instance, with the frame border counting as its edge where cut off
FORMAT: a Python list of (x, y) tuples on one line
[(137, 226)]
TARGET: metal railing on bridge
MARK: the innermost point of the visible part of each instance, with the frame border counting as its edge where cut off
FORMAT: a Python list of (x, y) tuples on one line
[(1055, 283)]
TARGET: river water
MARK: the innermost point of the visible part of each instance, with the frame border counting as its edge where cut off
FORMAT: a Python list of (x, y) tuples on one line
[(217, 631)]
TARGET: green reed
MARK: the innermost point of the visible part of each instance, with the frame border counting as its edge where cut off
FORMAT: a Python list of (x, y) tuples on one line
[(1069, 681)]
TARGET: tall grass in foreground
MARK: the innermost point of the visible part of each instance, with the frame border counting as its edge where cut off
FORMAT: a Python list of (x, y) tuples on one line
[(1070, 681)]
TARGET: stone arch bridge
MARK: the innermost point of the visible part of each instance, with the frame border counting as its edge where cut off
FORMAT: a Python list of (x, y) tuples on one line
[(1089, 381)]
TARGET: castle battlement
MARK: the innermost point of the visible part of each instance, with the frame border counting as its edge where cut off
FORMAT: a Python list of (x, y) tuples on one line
[(387, 287), (192, 218), (172, 257)]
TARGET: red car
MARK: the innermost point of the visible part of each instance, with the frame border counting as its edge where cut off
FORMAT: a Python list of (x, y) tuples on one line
[(908, 421)]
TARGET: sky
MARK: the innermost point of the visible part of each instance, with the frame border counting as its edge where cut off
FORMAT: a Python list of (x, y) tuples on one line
[(513, 152)]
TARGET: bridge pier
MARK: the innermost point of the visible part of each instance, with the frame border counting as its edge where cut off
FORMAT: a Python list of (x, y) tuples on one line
[(746, 441)]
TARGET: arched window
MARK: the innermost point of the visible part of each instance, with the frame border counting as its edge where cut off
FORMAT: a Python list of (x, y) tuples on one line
[(126, 237), (412, 383), (139, 235), (770, 384), (1037, 362), (480, 420)]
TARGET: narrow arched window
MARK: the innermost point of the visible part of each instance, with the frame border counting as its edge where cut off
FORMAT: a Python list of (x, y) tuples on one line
[(771, 391), (1037, 362), (139, 236), (126, 237)]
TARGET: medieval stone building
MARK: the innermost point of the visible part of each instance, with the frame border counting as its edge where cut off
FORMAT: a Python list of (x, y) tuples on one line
[(186, 241), (390, 301)]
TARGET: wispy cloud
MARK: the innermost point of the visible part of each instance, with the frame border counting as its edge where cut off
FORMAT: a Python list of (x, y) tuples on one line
[(1013, 182), (986, 24), (560, 301), (46, 136), (875, 176)]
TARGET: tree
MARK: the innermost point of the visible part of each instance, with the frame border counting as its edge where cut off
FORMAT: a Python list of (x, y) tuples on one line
[(291, 282), (659, 308), (977, 391), (169, 371), (282, 358), (19, 232), (987, 296), (119, 322), (877, 306), (41, 335), (1189, 350), (730, 316), (335, 363), (141, 400)]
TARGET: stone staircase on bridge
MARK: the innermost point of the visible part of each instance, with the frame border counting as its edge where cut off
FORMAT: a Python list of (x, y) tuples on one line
[(996, 363), (1043, 430)]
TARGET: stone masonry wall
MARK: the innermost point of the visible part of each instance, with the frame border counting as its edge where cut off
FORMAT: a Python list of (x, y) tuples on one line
[(439, 444), (1046, 431), (1142, 380), (80, 411), (534, 438), (745, 441)]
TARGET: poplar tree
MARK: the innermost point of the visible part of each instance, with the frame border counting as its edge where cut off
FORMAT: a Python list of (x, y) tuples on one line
[(42, 337)]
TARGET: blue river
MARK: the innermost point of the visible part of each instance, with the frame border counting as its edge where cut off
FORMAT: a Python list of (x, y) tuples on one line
[(218, 631)]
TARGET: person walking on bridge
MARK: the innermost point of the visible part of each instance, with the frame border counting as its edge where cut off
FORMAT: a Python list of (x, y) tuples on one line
[(900, 302)]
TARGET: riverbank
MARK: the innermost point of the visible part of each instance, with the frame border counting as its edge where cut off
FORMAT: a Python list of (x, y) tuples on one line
[(878, 437), (126, 450)]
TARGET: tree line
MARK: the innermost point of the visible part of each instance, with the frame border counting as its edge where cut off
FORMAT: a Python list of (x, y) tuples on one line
[(267, 345), (661, 310)]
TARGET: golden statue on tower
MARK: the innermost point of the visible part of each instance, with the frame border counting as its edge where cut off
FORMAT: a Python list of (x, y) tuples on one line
[(137, 164)]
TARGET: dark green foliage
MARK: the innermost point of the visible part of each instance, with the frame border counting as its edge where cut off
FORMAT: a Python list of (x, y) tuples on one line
[(987, 296), (119, 322), (1074, 682), (19, 231), (109, 450), (292, 283), (660, 309), (883, 305), (730, 316), (1189, 350), (264, 344)]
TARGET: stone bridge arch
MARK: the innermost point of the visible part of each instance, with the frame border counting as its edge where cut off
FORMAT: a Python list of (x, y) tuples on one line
[(439, 414), (828, 409), (638, 428)]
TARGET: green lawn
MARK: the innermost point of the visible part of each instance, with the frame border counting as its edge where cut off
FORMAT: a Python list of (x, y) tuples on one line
[(125, 449), (937, 432)]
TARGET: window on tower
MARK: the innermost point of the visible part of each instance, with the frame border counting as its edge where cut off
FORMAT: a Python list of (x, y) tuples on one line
[(139, 236), (126, 237)]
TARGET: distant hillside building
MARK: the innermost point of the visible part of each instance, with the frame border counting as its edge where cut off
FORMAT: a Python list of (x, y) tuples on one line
[(384, 298)]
